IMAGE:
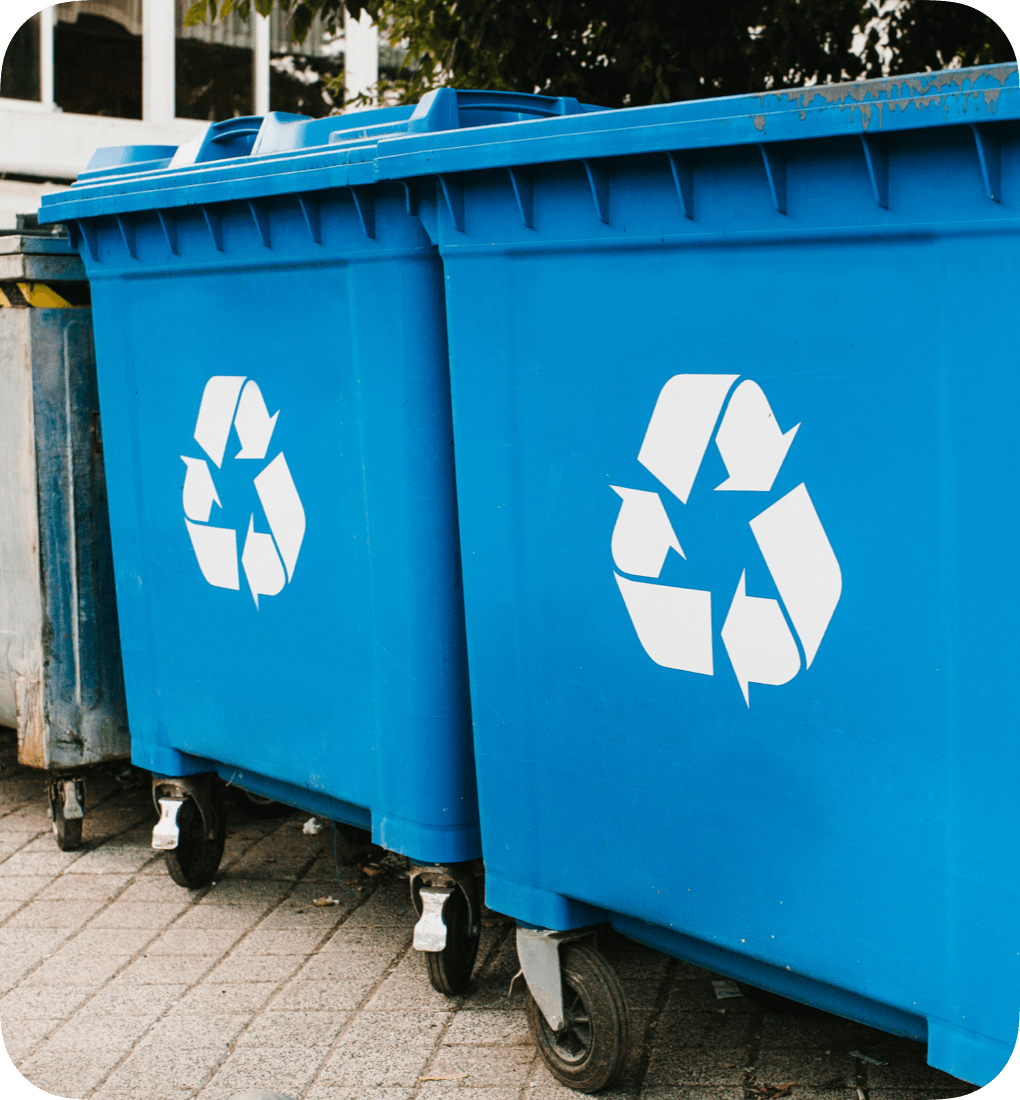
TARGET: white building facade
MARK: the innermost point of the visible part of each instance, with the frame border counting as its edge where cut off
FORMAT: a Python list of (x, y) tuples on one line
[(81, 75)]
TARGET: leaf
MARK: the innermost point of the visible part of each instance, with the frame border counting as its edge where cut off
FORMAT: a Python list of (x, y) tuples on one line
[(228, 7), (196, 13), (264, 7)]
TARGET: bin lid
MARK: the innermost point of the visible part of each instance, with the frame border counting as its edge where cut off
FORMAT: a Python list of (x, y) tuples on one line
[(283, 153), (452, 131)]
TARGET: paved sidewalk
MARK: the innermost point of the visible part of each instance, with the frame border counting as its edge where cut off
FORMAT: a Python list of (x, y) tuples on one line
[(119, 985)]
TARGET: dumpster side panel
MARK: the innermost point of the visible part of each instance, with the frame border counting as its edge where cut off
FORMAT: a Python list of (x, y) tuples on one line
[(849, 821), (83, 694), (20, 610), (346, 676)]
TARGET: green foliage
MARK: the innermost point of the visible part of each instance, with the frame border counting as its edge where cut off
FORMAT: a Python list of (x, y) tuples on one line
[(632, 52)]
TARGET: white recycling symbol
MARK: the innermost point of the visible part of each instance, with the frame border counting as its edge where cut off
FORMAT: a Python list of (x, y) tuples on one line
[(268, 559), (674, 625)]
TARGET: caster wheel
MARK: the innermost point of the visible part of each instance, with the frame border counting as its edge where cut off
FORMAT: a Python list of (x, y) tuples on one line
[(194, 861), (590, 1050), (450, 969), (257, 805), (67, 830)]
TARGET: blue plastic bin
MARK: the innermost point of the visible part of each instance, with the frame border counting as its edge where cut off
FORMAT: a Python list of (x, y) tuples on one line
[(270, 330), (734, 402)]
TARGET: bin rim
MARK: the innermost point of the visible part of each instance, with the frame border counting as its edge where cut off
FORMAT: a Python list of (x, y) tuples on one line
[(869, 108)]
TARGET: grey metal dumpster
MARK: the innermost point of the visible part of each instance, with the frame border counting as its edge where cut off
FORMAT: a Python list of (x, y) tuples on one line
[(61, 683)]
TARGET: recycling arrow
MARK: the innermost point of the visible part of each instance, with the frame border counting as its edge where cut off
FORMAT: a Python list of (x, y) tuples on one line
[(767, 640), (750, 441), (268, 558), (643, 535)]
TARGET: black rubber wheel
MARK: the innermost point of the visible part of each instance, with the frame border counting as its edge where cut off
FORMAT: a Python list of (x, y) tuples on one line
[(257, 805), (68, 831), (450, 969), (590, 1051), (194, 861)]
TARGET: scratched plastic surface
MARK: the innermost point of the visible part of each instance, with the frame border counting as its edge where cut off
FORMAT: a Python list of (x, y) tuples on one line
[(787, 753)]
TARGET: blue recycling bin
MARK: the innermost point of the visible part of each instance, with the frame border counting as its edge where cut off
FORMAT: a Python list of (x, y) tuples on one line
[(734, 406), (270, 333)]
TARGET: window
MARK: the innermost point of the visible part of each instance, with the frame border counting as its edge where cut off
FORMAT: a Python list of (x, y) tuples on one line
[(214, 68), (97, 58), (21, 76), (298, 72)]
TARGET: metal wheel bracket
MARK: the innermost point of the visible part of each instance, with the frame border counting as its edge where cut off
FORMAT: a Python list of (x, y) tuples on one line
[(539, 952), (446, 877), (196, 787), (166, 835), (72, 793), (430, 931)]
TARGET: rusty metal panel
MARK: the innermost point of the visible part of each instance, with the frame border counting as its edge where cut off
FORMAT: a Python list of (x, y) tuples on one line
[(61, 683)]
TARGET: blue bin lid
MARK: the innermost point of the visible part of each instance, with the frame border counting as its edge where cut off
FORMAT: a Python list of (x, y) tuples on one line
[(119, 179), (452, 131)]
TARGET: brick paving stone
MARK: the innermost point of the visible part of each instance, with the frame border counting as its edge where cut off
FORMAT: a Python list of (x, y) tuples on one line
[(82, 888), (280, 1068), (30, 943), (280, 1028), (234, 997), (373, 1068), (179, 1067), (21, 887), (456, 1090), (500, 1027), (672, 1067), (690, 1092), (138, 914), (192, 1029), (256, 968), (333, 1092), (84, 971), (485, 1066), (337, 966), (26, 1001), (834, 1071), (243, 892), (55, 1072), (103, 863), (162, 969), (318, 996), (121, 998), (21, 1036), (158, 888), (194, 941), (274, 941), (51, 862), (83, 1032), (389, 905), (211, 917), (396, 1030), (55, 914), (108, 941)]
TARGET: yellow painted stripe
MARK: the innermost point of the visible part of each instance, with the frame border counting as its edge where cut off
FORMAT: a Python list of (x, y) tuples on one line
[(4, 301), (40, 296)]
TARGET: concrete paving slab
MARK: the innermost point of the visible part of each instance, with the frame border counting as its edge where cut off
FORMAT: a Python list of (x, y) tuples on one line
[(168, 969), (84, 971), (198, 994), (68, 888), (286, 1069), (137, 914), (231, 997), (21, 887)]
